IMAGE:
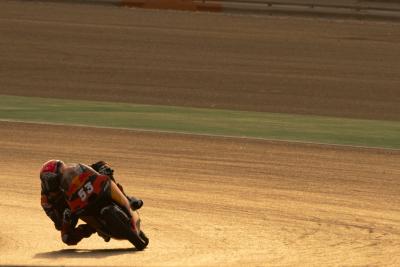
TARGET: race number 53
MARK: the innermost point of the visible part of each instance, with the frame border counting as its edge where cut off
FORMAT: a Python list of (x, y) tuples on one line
[(85, 191)]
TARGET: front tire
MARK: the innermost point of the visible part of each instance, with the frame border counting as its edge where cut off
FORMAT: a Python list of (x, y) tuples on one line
[(139, 241), (119, 225)]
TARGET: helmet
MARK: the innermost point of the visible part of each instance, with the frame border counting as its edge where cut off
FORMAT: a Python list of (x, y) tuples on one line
[(50, 175)]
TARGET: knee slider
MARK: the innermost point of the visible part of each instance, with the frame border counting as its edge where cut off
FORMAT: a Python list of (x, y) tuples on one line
[(68, 240)]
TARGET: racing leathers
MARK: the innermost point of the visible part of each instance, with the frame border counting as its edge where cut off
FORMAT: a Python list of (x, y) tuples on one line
[(57, 209)]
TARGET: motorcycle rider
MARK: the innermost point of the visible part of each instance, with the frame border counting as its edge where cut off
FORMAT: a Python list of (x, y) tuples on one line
[(55, 177)]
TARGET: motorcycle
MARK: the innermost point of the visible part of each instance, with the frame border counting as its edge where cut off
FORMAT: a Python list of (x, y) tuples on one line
[(90, 199)]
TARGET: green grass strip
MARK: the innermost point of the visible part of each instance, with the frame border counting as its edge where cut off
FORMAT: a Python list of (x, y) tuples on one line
[(370, 133)]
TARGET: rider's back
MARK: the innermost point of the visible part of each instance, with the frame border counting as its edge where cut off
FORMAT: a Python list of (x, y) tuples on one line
[(77, 183), (72, 174)]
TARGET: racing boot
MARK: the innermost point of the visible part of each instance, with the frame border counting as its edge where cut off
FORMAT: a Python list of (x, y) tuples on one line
[(135, 203), (104, 236)]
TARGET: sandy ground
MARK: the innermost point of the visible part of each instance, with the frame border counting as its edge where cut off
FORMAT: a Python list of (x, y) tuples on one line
[(209, 201), (276, 64)]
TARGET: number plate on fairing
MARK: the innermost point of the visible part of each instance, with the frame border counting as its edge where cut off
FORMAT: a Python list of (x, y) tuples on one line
[(90, 187)]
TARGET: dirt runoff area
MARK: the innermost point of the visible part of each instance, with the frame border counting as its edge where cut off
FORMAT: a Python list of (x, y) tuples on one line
[(209, 201)]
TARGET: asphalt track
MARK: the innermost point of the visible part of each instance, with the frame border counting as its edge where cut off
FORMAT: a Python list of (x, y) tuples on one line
[(209, 201)]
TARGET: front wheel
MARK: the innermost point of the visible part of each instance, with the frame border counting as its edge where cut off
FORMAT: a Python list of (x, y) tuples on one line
[(119, 225), (138, 238), (140, 241)]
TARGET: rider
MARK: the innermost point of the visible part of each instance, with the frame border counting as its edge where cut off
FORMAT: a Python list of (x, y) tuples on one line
[(55, 172)]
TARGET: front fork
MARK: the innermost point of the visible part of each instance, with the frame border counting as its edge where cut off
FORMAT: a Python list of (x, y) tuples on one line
[(122, 200)]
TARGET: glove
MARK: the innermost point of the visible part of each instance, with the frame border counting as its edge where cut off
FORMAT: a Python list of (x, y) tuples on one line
[(106, 170), (102, 168)]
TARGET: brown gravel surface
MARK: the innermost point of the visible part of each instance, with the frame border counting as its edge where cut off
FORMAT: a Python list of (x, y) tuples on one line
[(276, 64), (209, 201)]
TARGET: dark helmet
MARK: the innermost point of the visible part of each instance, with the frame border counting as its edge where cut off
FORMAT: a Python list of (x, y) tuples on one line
[(50, 175)]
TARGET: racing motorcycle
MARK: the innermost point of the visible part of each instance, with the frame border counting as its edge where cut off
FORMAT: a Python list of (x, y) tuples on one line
[(90, 199)]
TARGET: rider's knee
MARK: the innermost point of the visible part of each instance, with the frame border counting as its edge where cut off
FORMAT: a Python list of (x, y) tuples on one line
[(69, 240)]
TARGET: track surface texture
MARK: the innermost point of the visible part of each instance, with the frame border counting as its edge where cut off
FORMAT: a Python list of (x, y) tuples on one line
[(208, 201), (275, 64)]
